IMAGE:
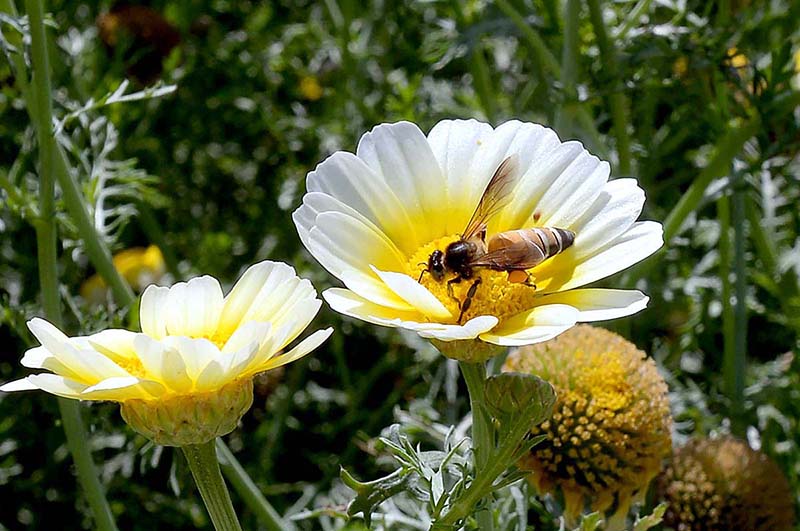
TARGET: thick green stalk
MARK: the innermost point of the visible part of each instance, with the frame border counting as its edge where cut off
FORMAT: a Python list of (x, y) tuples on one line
[(564, 119), (202, 459), (483, 82), (478, 67), (77, 439), (735, 378), (100, 258), (249, 491), (616, 100), (726, 150), (96, 249), (496, 462), (728, 324), (482, 436)]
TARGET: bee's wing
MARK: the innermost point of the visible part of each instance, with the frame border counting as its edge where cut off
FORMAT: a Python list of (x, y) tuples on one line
[(508, 253), (494, 197)]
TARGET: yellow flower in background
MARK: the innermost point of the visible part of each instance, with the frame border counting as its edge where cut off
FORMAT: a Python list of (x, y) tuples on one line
[(139, 266), (310, 88), (374, 219), (723, 484), (736, 59), (610, 428), (188, 376)]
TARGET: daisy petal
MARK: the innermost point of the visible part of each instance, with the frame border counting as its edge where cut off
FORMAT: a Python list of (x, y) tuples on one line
[(194, 307), (163, 362), (566, 272), (444, 332), (152, 311), (121, 389), (538, 324), (117, 345), (304, 347), (614, 211), (401, 153), (349, 180), (349, 303), (18, 385), (600, 304), (251, 332), (414, 294), (57, 385), (84, 365), (454, 144)]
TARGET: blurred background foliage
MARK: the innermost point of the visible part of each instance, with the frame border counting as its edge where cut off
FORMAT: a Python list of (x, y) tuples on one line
[(698, 100)]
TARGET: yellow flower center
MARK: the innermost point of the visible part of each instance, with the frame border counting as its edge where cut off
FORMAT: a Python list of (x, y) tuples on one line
[(494, 295), (606, 382)]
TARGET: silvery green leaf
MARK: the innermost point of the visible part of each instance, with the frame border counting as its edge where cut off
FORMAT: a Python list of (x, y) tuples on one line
[(651, 520)]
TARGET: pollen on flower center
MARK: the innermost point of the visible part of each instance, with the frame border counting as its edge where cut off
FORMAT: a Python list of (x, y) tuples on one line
[(494, 295)]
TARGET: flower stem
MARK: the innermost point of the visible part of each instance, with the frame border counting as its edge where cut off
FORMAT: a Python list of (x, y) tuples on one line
[(77, 439), (249, 492), (482, 438), (544, 57), (202, 459), (490, 461), (737, 365), (616, 100)]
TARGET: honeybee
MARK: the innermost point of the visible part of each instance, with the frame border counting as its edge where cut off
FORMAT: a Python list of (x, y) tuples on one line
[(513, 251)]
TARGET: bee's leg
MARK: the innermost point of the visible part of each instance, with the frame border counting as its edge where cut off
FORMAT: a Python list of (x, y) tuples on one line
[(450, 283), (468, 299), (519, 276)]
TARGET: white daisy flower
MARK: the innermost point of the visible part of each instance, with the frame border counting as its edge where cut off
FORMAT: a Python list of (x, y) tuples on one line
[(188, 376), (374, 218)]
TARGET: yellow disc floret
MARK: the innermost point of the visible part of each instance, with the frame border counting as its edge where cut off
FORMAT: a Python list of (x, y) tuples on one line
[(610, 427), (494, 295)]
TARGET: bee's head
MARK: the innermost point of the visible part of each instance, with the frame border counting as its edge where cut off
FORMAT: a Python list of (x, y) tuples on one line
[(436, 265)]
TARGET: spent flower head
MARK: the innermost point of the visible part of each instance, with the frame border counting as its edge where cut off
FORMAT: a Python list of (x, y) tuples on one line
[(188, 376), (376, 219), (610, 428), (722, 484)]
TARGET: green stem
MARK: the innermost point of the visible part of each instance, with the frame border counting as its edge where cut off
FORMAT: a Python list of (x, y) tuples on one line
[(564, 120), (482, 438), (546, 61), (738, 364), (483, 83), (541, 52), (478, 67), (725, 151), (616, 100), (496, 461), (77, 439), (633, 18), (249, 491), (202, 459), (728, 324)]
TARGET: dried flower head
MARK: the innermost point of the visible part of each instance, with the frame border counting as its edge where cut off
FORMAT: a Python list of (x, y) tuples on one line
[(723, 484), (610, 428)]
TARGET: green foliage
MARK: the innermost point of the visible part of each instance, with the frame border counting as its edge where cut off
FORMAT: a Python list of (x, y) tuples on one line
[(211, 170)]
